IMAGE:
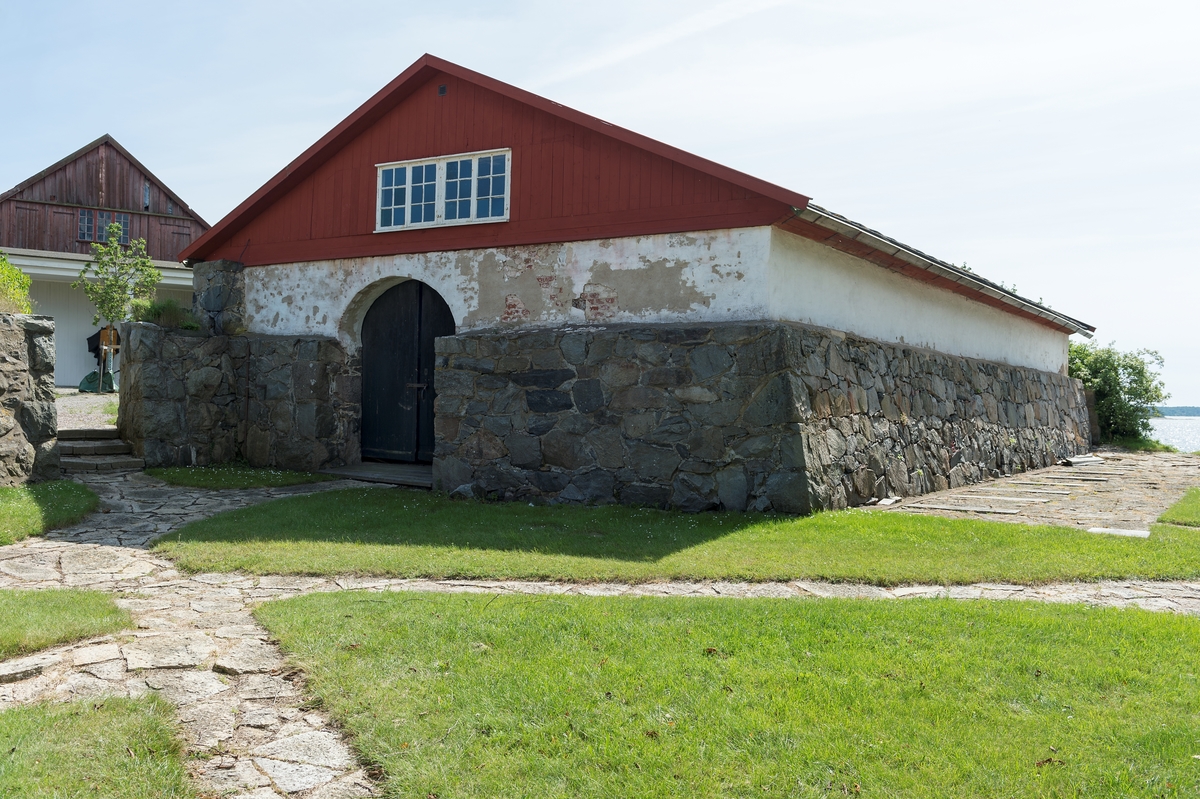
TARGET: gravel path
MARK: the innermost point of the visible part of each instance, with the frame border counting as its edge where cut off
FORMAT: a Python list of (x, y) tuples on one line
[(82, 410), (242, 710)]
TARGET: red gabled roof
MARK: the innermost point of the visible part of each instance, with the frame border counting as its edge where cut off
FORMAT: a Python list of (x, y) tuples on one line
[(416, 76)]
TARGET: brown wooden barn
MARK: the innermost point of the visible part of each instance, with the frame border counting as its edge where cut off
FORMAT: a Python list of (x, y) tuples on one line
[(49, 222)]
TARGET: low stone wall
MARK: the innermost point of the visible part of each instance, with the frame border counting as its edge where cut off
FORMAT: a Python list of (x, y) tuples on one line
[(767, 416), (189, 398), (28, 416)]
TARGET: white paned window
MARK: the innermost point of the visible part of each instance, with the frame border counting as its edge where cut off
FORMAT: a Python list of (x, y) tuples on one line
[(453, 190)]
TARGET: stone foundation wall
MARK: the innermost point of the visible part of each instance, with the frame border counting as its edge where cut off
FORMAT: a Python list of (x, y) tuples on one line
[(28, 416), (189, 398), (766, 416), (219, 297)]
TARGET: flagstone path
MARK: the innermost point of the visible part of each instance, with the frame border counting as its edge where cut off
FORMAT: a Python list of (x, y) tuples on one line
[(241, 708)]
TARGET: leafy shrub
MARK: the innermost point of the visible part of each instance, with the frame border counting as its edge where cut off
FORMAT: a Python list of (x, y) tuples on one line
[(165, 313), (1127, 387), (14, 288)]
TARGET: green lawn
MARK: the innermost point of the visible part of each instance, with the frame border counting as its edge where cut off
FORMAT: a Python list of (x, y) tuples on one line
[(112, 748), (1186, 511), (234, 475), (417, 534), (32, 620), (34, 509), (467, 695)]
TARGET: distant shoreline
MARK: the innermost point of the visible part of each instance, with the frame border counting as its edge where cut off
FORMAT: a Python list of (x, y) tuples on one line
[(1179, 410)]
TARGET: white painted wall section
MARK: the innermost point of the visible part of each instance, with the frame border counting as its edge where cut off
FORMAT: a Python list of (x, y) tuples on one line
[(711, 276), (818, 285), (745, 274)]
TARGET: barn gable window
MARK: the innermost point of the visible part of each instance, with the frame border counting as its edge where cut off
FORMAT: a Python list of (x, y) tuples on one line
[(87, 224), (453, 190), (104, 219)]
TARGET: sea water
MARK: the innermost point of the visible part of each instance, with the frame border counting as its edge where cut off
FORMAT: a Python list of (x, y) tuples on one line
[(1180, 432)]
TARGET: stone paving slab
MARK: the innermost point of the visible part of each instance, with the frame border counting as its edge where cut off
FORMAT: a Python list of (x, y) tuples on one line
[(1127, 491), (240, 707)]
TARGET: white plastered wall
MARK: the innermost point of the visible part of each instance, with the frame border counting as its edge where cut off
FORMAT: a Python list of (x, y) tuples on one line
[(711, 276), (818, 285), (744, 274)]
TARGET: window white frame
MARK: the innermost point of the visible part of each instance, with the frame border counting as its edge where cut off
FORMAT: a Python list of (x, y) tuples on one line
[(439, 219)]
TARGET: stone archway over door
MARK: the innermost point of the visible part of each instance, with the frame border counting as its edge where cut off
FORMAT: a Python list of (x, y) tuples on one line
[(397, 372)]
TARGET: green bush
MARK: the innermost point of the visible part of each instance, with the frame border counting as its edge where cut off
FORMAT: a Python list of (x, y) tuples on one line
[(165, 313), (1127, 387), (14, 288)]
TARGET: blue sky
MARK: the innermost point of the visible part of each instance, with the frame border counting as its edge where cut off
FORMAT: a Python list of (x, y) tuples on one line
[(1051, 146)]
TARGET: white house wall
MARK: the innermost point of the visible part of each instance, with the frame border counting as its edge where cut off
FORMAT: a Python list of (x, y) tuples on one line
[(818, 285), (742, 274), (711, 276)]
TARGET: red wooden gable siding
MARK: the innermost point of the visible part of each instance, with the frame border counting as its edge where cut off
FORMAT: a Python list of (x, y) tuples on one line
[(43, 212), (569, 183)]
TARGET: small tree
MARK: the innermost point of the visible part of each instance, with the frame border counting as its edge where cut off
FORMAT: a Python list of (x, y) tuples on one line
[(14, 288), (1127, 387), (119, 275)]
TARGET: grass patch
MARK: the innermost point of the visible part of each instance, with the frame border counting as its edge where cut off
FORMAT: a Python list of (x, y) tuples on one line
[(466, 695), (115, 748), (110, 410), (1141, 444), (34, 509), (234, 475), (395, 532), (1186, 511), (32, 620)]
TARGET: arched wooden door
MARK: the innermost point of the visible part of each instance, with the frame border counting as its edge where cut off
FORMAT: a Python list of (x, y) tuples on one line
[(397, 372)]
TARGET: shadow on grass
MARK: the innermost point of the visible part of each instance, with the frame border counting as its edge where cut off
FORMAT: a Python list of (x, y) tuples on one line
[(36, 508), (402, 517)]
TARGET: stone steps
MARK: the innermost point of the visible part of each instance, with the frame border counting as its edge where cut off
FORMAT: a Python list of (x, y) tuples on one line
[(95, 449)]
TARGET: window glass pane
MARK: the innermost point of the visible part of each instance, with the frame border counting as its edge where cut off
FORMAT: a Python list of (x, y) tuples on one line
[(386, 200), (415, 217), (452, 210), (497, 206), (398, 217), (387, 178), (485, 166), (385, 217), (401, 172), (451, 189), (430, 173), (498, 165), (418, 193), (484, 187), (429, 211), (498, 185), (400, 198), (464, 209), (452, 170), (482, 208)]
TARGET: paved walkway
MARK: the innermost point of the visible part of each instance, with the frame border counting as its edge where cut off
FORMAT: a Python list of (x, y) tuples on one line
[(241, 708), (1128, 491)]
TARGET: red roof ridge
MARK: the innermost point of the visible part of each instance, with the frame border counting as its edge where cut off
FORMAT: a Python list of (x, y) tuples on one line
[(404, 85)]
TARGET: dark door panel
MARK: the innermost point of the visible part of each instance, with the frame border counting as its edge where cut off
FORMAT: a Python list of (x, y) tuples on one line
[(397, 363)]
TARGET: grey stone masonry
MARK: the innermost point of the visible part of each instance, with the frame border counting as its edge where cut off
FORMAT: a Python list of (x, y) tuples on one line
[(28, 416), (761, 416), (219, 297), (194, 399)]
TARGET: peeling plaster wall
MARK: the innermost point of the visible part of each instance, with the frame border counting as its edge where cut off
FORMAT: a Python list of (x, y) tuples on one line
[(712, 276), (818, 285), (745, 274)]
